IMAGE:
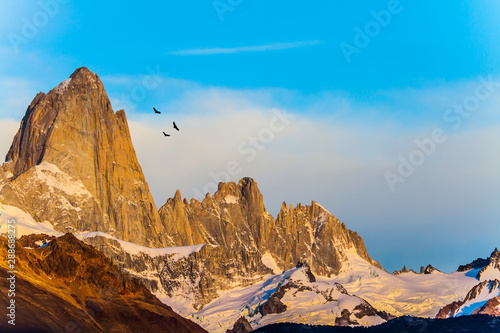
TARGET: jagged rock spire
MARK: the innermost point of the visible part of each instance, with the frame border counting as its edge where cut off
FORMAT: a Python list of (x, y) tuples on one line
[(73, 146)]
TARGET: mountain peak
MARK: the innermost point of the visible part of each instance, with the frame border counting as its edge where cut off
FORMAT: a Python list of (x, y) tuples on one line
[(493, 261), (72, 136), (178, 196), (82, 82), (247, 181), (82, 72)]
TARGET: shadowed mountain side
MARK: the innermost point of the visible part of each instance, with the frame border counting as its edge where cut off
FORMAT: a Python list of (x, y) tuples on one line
[(70, 286)]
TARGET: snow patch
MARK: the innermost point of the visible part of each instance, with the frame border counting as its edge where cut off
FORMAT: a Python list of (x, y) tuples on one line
[(9, 174), (53, 177), (326, 210), (490, 273), (25, 224), (231, 199), (134, 249), (62, 86), (269, 262)]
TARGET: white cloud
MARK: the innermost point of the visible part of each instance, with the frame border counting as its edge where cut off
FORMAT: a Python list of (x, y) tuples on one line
[(241, 49)]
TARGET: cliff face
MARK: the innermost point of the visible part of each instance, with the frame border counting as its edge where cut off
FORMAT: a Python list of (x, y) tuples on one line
[(314, 235), (72, 163), (234, 218)]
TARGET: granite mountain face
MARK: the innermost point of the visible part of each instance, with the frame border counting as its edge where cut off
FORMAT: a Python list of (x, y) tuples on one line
[(72, 163), (235, 219)]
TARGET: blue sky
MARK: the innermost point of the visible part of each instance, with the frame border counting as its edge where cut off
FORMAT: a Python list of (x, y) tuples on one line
[(353, 119)]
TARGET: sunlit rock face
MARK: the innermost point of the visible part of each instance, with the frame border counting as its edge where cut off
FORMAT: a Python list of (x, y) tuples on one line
[(72, 163)]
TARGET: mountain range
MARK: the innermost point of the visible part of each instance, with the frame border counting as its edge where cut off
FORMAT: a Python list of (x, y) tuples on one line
[(73, 184)]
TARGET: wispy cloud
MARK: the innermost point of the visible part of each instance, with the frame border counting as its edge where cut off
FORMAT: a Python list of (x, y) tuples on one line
[(241, 49)]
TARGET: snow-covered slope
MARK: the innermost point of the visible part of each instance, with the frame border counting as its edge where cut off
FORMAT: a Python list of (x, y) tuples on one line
[(483, 296), (293, 296), (322, 301), (24, 223), (487, 291), (404, 294), (177, 252)]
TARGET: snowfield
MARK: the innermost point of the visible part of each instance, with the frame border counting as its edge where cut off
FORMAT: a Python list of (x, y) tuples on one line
[(409, 293), (405, 294)]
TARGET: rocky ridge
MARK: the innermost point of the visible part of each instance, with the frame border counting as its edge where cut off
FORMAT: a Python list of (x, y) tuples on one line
[(235, 219), (245, 243), (492, 262), (485, 293)]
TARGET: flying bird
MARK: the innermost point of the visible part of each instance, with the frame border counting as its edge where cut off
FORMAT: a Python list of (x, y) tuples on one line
[(166, 134), (156, 111), (175, 126)]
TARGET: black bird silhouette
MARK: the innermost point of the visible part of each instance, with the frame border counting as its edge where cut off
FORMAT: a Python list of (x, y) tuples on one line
[(166, 134), (175, 126), (156, 111)]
